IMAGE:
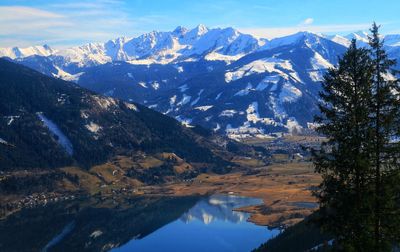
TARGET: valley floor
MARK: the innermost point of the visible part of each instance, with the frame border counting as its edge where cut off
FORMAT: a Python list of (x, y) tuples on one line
[(286, 190)]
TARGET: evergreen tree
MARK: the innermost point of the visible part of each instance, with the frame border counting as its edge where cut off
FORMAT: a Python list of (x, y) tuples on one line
[(385, 116), (360, 115), (344, 160)]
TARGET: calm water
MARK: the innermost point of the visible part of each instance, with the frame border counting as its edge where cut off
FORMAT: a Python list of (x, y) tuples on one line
[(210, 225), (139, 224)]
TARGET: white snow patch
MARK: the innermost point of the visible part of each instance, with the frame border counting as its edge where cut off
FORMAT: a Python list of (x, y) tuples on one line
[(61, 138), (67, 76), (93, 127), (172, 100), (84, 114), (104, 102), (195, 101), (184, 121), (142, 84), (228, 113), (183, 88), (227, 58), (155, 85), (185, 99), (131, 106), (179, 68), (204, 108), (208, 118), (270, 65), (11, 119), (289, 93), (293, 125), (96, 234), (2, 141), (254, 117), (319, 65), (318, 62), (272, 79), (218, 127), (245, 91)]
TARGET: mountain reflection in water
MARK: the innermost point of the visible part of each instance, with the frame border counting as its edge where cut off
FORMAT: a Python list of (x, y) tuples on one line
[(210, 225), (219, 207), (137, 224)]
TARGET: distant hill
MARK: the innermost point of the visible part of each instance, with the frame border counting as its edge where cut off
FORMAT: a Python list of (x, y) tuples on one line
[(47, 122)]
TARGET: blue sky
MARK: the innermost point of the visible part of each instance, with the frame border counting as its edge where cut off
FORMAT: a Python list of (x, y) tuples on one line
[(65, 23)]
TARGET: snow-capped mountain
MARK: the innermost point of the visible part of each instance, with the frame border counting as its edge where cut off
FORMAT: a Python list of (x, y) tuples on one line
[(221, 79), (154, 47), (16, 52)]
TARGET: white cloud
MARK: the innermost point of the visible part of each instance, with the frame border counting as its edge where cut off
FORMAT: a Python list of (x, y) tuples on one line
[(10, 13), (71, 23), (307, 21), (273, 32)]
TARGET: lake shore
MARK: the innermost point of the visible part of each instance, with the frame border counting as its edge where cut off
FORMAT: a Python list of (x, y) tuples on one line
[(286, 190)]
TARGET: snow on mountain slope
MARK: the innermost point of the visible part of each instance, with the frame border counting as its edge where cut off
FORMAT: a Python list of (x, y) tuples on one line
[(360, 36), (16, 52), (340, 40), (219, 78), (270, 65), (153, 47), (61, 138), (308, 37), (392, 40)]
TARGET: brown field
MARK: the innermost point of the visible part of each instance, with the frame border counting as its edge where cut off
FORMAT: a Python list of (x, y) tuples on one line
[(280, 186)]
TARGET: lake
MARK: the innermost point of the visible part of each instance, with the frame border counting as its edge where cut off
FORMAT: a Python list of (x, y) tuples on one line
[(139, 224)]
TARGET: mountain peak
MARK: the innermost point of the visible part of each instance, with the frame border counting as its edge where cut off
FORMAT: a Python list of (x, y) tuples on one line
[(200, 29), (180, 30), (291, 39), (359, 35)]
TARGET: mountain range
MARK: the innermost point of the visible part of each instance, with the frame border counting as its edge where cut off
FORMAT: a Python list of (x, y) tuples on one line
[(221, 79)]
